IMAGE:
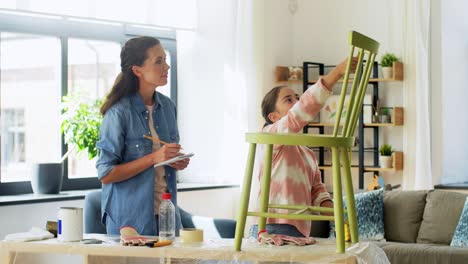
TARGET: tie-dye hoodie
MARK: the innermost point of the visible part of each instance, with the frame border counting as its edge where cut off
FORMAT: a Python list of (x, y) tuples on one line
[(295, 176)]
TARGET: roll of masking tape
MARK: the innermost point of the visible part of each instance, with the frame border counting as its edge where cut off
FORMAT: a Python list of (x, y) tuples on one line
[(191, 235)]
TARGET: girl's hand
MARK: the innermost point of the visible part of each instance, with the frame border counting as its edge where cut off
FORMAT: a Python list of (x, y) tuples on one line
[(331, 78), (168, 151), (328, 204), (342, 66), (180, 165)]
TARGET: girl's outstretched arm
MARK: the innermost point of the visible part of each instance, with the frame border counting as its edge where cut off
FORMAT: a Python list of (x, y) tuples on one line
[(303, 111), (310, 103)]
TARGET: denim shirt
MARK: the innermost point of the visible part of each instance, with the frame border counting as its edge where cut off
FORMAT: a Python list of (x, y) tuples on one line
[(131, 202)]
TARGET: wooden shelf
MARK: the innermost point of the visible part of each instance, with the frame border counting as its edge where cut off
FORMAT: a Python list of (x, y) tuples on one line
[(282, 75), (366, 125), (396, 166), (397, 120)]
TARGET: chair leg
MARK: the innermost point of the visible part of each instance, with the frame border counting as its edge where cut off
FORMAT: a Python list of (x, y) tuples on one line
[(244, 203), (338, 201), (265, 187), (348, 183)]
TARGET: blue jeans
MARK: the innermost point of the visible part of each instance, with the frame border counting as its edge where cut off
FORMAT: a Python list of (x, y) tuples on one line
[(278, 229)]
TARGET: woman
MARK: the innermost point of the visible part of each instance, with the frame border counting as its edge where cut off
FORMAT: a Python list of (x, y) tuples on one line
[(132, 186)]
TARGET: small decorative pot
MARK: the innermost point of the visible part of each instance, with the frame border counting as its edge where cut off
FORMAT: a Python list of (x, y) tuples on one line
[(386, 161), (385, 119), (387, 72)]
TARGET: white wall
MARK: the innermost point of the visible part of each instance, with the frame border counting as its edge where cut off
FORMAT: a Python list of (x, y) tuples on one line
[(279, 42), (20, 218)]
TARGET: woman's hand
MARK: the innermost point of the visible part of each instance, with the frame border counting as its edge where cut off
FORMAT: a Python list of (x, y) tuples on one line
[(181, 164), (168, 151)]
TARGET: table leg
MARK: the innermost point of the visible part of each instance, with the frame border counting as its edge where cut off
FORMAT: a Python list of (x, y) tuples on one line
[(8, 257), (86, 259)]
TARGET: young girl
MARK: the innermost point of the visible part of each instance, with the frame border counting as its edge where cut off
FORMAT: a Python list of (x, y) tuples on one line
[(295, 176)]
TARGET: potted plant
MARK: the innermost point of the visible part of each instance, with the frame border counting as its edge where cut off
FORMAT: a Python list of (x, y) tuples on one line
[(80, 125), (386, 159), (386, 62), (81, 120), (385, 116)]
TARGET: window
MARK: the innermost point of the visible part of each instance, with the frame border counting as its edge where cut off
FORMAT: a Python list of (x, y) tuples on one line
[(92, 67), (13, 151), (452, 94), (41, 60), (30, 99)]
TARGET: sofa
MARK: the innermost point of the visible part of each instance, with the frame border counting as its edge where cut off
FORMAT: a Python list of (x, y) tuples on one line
[(212, 227), (419, 226)]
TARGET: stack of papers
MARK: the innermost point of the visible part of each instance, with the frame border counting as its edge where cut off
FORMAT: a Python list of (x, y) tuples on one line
[(169, 161)]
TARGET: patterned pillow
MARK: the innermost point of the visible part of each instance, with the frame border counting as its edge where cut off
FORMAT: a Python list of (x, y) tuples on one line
[(370, 217), (460, 238)]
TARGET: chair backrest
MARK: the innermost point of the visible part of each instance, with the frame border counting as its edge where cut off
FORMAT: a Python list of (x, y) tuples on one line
[(363, 46), (92, 213)]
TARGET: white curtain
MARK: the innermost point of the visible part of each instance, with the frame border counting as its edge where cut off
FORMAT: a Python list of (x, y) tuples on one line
[(220, 77), (243, 76), (415, 33)]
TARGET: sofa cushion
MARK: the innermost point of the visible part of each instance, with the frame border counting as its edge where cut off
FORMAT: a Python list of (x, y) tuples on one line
[(460, 238), (369, 210), (423, 253), (403, 212), (440, 218)]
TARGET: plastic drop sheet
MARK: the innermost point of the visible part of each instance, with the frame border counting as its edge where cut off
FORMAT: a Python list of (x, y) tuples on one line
[(210, 251)]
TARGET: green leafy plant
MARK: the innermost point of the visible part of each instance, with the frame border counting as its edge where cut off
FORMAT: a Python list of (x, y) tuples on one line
[(81, 120), (388, 59), (385, 111), (385, 150)]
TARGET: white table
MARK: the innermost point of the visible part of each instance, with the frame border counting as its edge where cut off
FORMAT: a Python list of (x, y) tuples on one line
[(218, 249)]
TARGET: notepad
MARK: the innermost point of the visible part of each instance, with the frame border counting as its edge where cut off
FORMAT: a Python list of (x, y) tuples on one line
[(169, 161)]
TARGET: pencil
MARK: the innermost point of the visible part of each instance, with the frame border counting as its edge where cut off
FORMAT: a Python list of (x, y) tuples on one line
[(155, 139)]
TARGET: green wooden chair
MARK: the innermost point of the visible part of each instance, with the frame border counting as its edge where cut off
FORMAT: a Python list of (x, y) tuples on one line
[(340, 143)]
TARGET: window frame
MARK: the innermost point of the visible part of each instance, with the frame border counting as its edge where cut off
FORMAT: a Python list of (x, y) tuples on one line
[(65, 27)]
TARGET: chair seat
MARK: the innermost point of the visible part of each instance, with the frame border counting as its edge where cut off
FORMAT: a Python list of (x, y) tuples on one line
[(300, 140)]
